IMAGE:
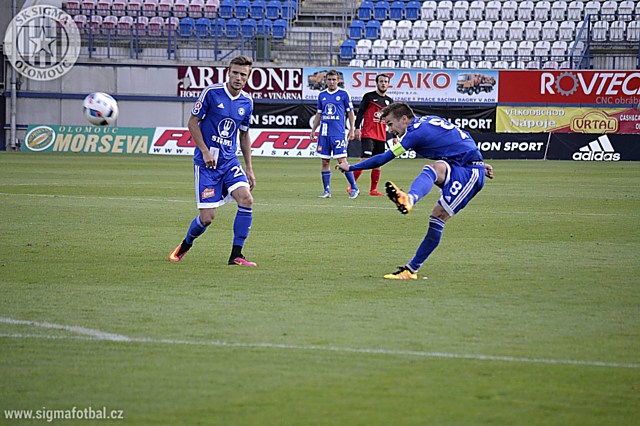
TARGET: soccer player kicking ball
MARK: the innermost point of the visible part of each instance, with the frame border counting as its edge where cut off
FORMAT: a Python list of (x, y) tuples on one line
[(459, 173), (220, 117)]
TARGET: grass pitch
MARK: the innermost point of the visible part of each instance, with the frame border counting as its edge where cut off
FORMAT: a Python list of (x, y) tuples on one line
[(530, 314)]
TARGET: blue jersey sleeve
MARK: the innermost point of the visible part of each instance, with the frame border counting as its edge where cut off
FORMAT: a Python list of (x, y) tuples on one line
[(201, 105)]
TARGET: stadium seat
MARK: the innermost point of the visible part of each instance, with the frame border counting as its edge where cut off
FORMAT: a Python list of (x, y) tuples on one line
[(501, 65), (125, 25), (468, 64), (232, 29), (516, 30), (468, 30), (274, 9), (427, 50), (575, 11), (476, 50), (567, 30), (541, 10), (533, 30), (94, 23), (412, 10), (372, 63), (388, 63), (559, 10), (592, 8), (483, 31), (394, 49), (379, 49), (436, 64), (451, 30), (248, 27), (242, 9), (404, 63), (509, 9), (625, 11), (363, 49), (559, 50), (452, 65), (140, 25), (525, 50), (289, 9), (459, 50), (211, 8), (541, 50), (461, 10), (550, 65), (436, 29), (381, 10), (81, 23), (89, 7), (565, 65), (372, 29), (633, 31), (492, 10), (396, 10), (410, 50), (227, 9), (258, 9), (171, 25), (533, 65), (420, 64), (103, 8), (356, 63), (492, 50), (203, 27), (550, 30), (443, 50), (509, 49), (218, 27), (418, 29), (428, 10), (365, 10), (443, 10), (150, 8), (356, 29), (525, 11), (109, 24), (156, 26), (347, 49), (476, 10), (388, 29), (74, 7), (264, 27), (484, 65), (187, 25), (165, 8), (500, 30), (280, 29), (608, 10), (599, 30)]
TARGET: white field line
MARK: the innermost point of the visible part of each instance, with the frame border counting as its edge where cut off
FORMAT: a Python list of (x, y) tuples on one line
[(319, 205), (89, 334)]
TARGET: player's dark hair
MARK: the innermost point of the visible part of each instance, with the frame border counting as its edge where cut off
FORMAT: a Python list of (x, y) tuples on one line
[(382, 75), (332, 72), (242, 61), (397, 110)]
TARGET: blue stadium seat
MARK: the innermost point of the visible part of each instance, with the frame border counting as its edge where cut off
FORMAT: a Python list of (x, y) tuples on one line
[(289, 9), (274, 9), (279, 28), (381, 10), (203, 27), (218, 27), (372, 30), (264, 26), (412, 10), (233, 28), (356, 29), (347, 49), (242, 9), (227, 9), (185, 29), (258, 9), (248, 27), (365, 10), (396, 10)]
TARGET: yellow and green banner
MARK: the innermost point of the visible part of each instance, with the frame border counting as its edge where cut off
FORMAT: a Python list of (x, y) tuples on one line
[(104, 140)]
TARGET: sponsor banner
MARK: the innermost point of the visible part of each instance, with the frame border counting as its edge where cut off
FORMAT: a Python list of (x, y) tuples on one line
[(603, 147), (513, 119), (264, 83), (105, 140), (433, 86), (517, 146), (610, 88), (282, 116)]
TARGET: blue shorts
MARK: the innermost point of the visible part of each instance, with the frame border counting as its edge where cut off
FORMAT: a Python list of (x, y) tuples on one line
[(329, 146), (214, 186), (460, 186)]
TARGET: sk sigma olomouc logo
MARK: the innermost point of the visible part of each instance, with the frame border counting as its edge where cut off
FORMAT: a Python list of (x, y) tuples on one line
[(597, 150), (42, 42)]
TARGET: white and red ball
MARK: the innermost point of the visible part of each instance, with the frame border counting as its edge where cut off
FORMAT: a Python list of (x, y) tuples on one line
[(100, 109)]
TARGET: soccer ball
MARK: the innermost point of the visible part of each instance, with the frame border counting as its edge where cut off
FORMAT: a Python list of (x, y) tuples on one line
[(100, 109)]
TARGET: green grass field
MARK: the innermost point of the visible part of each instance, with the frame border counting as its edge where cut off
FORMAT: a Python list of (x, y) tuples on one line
[(530, 314)]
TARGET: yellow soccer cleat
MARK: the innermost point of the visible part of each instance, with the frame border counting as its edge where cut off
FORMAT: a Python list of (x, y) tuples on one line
[(403, 273), (400, 198)]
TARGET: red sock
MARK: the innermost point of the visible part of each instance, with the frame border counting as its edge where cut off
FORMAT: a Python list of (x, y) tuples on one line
[(375, 178), (356, 174)]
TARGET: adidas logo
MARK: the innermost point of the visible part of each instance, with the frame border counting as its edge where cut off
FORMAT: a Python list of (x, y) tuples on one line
[(598, 150)]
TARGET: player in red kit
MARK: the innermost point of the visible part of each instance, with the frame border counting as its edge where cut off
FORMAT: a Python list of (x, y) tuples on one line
[(371, 131)]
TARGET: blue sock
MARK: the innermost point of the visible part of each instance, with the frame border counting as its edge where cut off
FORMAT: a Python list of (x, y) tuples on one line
[(423, 183), (326, 180), (195, 230), (351, 179), (429, 244), (242, 225)]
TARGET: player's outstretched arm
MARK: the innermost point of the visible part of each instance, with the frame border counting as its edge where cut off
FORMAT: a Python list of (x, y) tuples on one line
[(488, 170)]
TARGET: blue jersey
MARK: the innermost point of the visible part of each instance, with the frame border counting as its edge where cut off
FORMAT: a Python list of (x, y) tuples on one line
[(333, 107), (436, 138), (222, 117)]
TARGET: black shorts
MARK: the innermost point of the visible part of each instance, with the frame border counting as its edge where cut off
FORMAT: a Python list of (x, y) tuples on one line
[(372, 147)]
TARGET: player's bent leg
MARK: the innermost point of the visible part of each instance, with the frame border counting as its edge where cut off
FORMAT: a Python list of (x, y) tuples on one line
[(401, 199)]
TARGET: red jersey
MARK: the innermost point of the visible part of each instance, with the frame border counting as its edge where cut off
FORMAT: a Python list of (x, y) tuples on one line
[(369, 112)]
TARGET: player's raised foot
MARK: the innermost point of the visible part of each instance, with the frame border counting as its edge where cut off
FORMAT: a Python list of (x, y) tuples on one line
[(400, 198), (403, 273), (376, 193), (178, 253), (326, 194), (241, 261), (354, 193)]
